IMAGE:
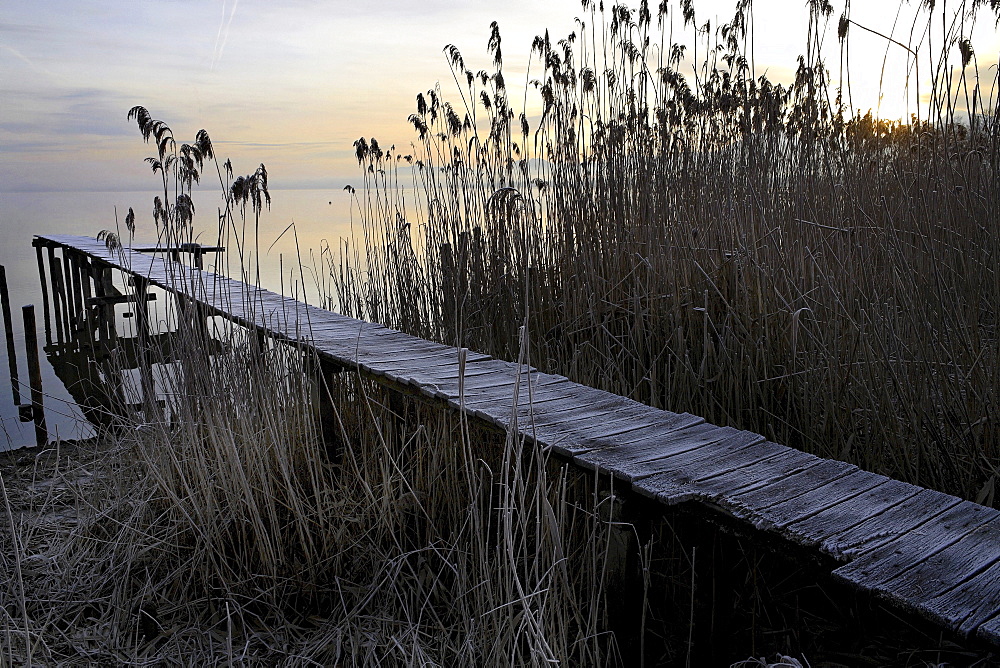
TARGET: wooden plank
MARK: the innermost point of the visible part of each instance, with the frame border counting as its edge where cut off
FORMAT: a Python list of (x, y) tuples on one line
[(183, 248), (747, 468), (621, 428), (631, 462), (614, 434), (836, 519), (895, 521), (950, 571), (694, 472), (428, 363), (503, 382), (933, 533), (360, 340), (504, 410), (593, 432), (292, 316), (528, 394), (839, 490), (554, 420), (416, 360), (443, 383), (538, 420), (116, 299), (424, 352), (734, 441), (751, 503), (958, 586)]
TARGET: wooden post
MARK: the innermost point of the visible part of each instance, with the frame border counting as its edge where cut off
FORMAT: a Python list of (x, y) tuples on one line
[(45, 291), (450, 288), (80, 316), (8, 328), (34, 374), (105, 290), (69, 285), (83, 268), (143, 332), (329, 425), (58, 294), (101, 310), (108, 289), (262, 347)]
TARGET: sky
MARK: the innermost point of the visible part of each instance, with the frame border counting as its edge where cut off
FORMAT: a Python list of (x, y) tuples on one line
[(292, 83)]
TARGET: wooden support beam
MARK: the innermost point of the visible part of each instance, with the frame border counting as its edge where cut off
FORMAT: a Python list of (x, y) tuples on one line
[(8, 329), (143, 333), (58, 295), (87, 323), (197, 250), (110, 300), (45, 292), (183, 248), (73, 291), (34, 374)]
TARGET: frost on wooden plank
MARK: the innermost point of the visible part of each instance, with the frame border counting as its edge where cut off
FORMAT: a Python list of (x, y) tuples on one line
[(928, 532)]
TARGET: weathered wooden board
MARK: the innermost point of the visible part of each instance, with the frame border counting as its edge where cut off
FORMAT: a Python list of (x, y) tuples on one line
[(578, 410), (817, 499), (714, 478), (614, 434), (693, 472), (750, 504), (480, 395), (426, 364), (957, 587), (895, 521), (561, 408), (836, 519), (636, 460), (875, 567)]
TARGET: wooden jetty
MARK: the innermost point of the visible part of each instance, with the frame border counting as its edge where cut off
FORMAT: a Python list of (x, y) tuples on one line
[(926, 552)]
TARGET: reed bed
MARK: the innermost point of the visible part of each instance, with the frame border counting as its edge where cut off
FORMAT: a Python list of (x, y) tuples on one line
[(758, 254)]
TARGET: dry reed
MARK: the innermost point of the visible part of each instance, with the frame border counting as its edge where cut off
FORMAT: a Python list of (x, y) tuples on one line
[(749, 252)]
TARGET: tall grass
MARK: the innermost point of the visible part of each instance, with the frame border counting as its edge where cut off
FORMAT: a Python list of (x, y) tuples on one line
[(212, 525), (712, 242), (225, 535)]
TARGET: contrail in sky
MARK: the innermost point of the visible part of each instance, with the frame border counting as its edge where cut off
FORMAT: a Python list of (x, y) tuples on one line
[(223, 34), (17, 54)]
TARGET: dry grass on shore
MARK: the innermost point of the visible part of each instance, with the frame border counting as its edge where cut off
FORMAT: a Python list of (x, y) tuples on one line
[(225, 534)]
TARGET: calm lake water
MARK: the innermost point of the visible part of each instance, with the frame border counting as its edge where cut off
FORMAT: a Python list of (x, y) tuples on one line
[(319, 215)]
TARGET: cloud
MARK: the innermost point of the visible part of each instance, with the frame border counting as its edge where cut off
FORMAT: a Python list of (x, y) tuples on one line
[(30, 115), (20, 29)]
